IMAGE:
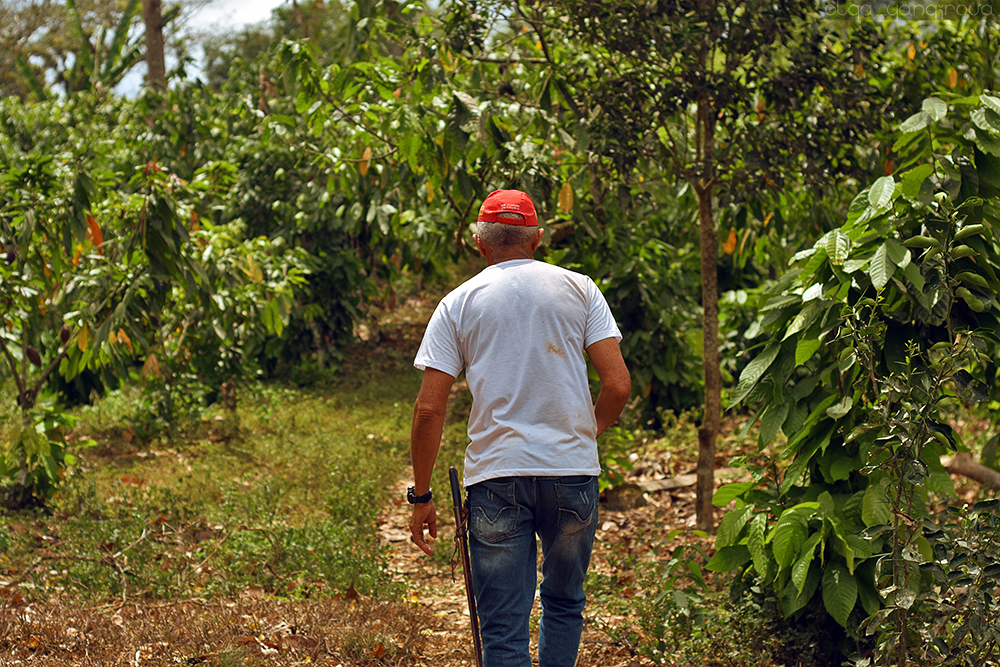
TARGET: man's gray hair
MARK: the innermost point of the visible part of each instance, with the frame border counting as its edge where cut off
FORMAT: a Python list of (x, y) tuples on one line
[(500, 235)]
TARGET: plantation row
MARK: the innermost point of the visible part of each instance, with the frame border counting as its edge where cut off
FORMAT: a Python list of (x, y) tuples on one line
[(790, 215)]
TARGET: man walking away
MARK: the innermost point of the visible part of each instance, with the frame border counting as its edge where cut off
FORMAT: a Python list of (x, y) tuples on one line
[(522, 330)]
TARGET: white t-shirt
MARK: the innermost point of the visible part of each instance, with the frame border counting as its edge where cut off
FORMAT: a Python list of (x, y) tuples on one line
[(519, 328)]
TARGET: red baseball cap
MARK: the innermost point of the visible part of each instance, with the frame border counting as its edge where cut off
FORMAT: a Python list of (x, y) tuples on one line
[(508, 201)]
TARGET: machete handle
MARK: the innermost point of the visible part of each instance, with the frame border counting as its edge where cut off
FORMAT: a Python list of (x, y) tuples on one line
[(456, 488)]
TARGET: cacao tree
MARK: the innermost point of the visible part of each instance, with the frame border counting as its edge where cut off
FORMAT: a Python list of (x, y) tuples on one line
[(866, 345)]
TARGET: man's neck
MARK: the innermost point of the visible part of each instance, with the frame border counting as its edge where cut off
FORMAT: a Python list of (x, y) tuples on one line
[(507, 257)]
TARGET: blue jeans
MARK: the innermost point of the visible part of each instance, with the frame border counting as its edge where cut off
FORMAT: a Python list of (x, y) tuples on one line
[(505, 514)]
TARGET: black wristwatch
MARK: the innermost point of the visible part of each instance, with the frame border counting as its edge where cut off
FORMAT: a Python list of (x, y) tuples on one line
[(414, 499)]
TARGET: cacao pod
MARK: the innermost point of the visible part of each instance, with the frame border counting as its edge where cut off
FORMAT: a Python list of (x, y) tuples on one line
[(11, 256), (64, 334), (33, 356)]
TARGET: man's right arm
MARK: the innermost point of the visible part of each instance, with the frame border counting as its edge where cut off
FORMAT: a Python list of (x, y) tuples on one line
[(616, 383), (425, 440)]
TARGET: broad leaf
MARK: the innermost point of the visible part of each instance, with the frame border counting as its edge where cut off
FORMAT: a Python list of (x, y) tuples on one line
[(732, 525), (838, 247), (912, 180), (801, 568), (789, 534), (935, 107), (916, 122), (806, 348), (882, 191), (752, 373), (730, 492), (728, 558), (755, 543), (881, 268), (840, 592), (875, 507)]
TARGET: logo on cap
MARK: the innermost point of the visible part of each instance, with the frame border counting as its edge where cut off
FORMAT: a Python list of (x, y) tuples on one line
[(516, 201)]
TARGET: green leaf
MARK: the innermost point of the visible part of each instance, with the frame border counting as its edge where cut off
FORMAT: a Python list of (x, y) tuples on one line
[(990, 102), (732, 525), (730, 492), (912, 180), (935, 107), (920, 241), (801, 568), (915, 123), (881, 268), (840, 409), (803, 320), (755, 544), (791, 601), (912, 273), (789, 533), (969, 230), (728, 558), (882, 191), (838, 246), (752, 373), (875, 506), (806, 348), (987, 143), (771, 422), (840, 592), (897, 253)]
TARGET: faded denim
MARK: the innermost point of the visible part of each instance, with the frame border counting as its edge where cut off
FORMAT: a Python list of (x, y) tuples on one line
[(505, 515)]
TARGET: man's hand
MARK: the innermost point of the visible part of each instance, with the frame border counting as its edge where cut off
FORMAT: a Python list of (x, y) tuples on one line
[(424, 514)]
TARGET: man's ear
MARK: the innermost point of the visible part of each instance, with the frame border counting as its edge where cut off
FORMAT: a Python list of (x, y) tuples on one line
[(479, 244), (537, 240)]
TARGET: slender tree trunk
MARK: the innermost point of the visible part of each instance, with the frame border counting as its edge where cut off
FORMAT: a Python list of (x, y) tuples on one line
[(152, 14), (709, 429)]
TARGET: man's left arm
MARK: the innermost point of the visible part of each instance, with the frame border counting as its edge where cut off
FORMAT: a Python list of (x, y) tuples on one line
[(616, 383), (425, 441)]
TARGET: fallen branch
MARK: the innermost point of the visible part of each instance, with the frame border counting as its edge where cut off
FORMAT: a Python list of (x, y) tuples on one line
[(963, 464)]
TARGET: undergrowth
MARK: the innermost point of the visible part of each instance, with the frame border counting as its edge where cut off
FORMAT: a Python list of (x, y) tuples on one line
[(286, 502)]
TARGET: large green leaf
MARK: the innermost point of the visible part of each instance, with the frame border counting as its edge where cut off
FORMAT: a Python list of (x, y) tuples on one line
[(882, 192), (840, 592), (805, 348), (790, 532), (911, 181), (803, 320), (916, 122), (838, 247), (800, 570), (935, 107), (732, 525), (772, 420), (728, 558), (752, 373), (755, 544), (727, 493), (881, 268), (875, 507)]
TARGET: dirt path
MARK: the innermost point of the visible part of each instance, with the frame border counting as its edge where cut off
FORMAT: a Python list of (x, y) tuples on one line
[(621, 535)]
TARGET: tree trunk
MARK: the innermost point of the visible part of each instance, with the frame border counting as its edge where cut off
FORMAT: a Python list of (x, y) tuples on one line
[(709, 429), (153, 16)]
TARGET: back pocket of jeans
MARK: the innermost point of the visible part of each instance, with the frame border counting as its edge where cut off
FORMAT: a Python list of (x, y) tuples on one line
[(494, 512), (577, 504)]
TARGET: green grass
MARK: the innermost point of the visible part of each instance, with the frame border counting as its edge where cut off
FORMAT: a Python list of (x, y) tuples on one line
[(288, 504)]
